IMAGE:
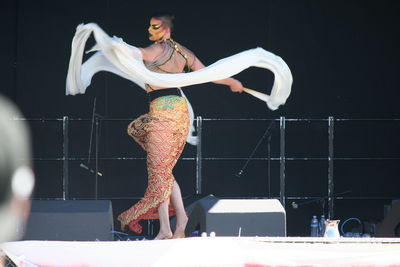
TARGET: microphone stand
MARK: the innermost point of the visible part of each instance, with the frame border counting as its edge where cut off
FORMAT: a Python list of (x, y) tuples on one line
[(321, 200), (266, 133), (87, 165)]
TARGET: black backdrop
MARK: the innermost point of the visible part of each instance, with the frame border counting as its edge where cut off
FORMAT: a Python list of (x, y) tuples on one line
[(343, 55)]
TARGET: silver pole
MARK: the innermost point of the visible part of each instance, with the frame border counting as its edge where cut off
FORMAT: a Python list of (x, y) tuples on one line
[(199, 156), (330, 167), (65, 158), (282, 161)]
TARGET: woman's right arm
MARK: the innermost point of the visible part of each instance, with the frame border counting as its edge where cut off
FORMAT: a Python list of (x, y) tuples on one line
[(235, 85)]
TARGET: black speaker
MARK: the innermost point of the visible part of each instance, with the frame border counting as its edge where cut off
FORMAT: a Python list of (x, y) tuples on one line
[(234, 217), (70, 220), (390, 226)]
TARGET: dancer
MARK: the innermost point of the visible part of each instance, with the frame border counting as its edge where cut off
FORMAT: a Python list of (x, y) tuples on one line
[(162, 132)]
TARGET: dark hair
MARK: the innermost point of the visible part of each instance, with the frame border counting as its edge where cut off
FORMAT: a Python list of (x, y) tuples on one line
[(166, 17)]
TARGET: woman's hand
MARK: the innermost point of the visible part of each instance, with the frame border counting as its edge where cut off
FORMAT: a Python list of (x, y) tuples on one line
[(236, 86)]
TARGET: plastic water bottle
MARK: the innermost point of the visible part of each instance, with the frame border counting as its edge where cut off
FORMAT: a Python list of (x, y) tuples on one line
[(314, 226), (321, 226)]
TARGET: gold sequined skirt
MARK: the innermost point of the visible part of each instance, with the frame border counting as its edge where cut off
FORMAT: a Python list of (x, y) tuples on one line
[(162, 133)]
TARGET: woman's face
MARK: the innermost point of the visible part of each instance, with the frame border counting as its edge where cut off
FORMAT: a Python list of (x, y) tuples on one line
[(156, 30)]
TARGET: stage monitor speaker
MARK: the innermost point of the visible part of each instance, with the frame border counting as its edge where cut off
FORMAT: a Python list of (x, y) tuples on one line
[(234, 217), (390, 226), (70, 220)]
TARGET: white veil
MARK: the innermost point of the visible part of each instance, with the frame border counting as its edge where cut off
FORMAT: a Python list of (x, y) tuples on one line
[(116, 56)]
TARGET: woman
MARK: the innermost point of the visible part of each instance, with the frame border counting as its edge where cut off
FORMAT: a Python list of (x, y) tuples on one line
[(162, 132)]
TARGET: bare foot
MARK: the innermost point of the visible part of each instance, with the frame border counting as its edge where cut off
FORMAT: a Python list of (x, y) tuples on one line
[(162, 236), (180, 228)]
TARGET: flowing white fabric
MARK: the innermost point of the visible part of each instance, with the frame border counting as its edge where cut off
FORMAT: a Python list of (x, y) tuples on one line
[(116, 56)]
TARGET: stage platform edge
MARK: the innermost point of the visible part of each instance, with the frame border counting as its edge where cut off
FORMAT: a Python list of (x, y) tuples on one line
[(210, 251)]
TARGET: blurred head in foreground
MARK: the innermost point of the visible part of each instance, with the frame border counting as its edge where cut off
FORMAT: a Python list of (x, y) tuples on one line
[(16, 176)]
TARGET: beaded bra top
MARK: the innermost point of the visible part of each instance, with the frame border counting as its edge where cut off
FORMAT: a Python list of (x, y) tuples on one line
[(174, 58)]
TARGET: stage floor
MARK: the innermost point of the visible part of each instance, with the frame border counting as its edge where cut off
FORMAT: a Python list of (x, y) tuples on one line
[(210, 251)]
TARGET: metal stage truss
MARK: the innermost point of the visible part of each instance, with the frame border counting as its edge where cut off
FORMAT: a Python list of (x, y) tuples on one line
[(281, 125)]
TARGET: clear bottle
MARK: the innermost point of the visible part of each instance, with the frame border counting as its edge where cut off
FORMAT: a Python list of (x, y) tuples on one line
[(321, 226), (314, 226)]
